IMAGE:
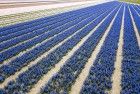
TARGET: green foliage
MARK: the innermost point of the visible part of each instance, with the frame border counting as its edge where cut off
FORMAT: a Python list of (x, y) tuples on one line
[(132, 1)]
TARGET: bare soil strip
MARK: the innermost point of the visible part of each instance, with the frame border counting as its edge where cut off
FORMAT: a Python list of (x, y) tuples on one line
[(116, 77), (5, 5), (135, 28), (76, 88), (31, 3), (22, 4), (36, 89)]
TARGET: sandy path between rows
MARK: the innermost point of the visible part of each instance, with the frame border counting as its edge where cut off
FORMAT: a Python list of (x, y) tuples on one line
[(42, 7), (76, 88), (116, 77), (42, 82)]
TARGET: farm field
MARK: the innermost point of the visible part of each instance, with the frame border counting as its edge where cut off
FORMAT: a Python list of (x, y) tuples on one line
[(88, 50)]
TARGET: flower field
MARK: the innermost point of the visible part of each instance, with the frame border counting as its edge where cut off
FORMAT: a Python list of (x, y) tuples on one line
[(91, 50)]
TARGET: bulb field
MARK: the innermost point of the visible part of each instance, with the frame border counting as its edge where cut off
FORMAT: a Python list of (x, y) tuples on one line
[(90, 50)]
